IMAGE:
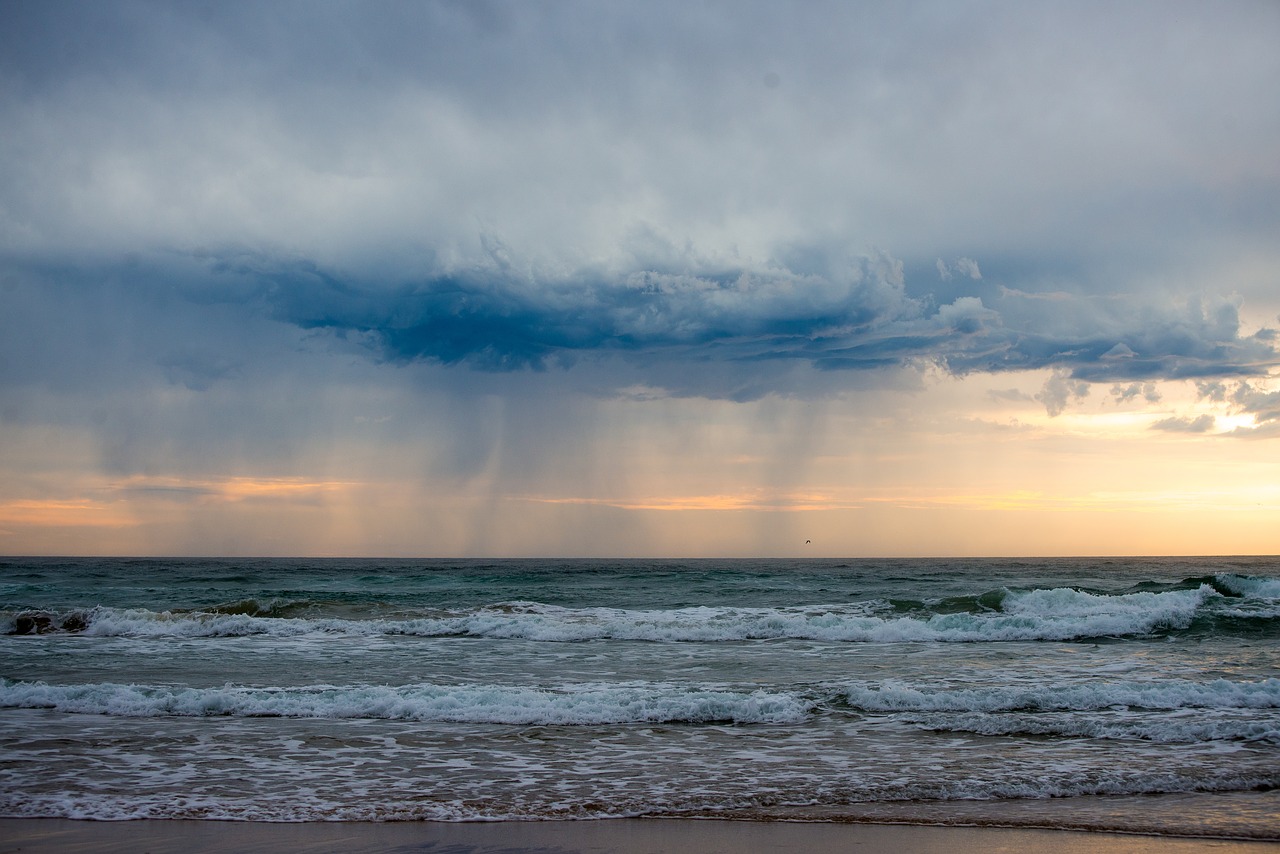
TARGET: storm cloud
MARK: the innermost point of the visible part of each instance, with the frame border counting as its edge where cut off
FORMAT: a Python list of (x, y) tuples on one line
[(507, 186), (666, 324)]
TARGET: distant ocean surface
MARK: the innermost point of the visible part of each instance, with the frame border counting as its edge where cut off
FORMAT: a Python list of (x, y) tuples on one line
[(1122, 694)]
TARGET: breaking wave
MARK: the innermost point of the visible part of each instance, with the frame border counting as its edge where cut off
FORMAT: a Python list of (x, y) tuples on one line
[(990, 711), (587, 704), (1227, 604)]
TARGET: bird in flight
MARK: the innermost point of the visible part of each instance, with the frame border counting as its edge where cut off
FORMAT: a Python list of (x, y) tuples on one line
[(806, 542)]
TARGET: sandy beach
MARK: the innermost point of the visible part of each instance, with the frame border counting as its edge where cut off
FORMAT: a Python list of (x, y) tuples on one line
[(625, 836)]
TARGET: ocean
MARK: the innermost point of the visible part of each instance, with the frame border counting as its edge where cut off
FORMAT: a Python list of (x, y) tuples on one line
[(1131, 694)]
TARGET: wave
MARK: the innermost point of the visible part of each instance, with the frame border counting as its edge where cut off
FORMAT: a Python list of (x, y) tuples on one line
[(1152, 696), (1155, 712), (989, 710), (1233, 605), (1230, 584), (586, 704), (268, 608)]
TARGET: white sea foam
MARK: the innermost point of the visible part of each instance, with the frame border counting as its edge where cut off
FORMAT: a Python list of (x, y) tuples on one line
[(1054, 614), (496, 704), (290, 803), (1091, 615)]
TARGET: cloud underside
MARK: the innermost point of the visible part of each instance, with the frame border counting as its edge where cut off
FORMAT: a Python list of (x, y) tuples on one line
[(499, 319)]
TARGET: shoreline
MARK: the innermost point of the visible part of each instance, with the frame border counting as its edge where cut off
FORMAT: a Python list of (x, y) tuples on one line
[(613, 836)]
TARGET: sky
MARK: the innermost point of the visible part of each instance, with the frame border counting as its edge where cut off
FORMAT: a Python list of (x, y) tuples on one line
[(639, 279)]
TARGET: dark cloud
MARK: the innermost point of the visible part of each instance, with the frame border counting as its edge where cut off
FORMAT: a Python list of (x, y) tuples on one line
[(493, 318), (496, 318), (680, 325)]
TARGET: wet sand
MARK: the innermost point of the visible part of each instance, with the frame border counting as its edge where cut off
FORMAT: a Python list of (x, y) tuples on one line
[(622, 836)]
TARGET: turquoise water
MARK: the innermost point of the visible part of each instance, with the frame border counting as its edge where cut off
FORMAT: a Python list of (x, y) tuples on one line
[(1135, 694)]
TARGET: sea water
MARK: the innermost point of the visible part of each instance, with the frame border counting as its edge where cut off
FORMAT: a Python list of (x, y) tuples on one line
[(1121, 694)]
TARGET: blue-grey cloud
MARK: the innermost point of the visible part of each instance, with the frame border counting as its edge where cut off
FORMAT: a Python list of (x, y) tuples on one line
[(682, 325), (1059, 390), (1214, 390), (1262, 405), (1199, 424), (495, 318), (1124, 394), (1244, 397)]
